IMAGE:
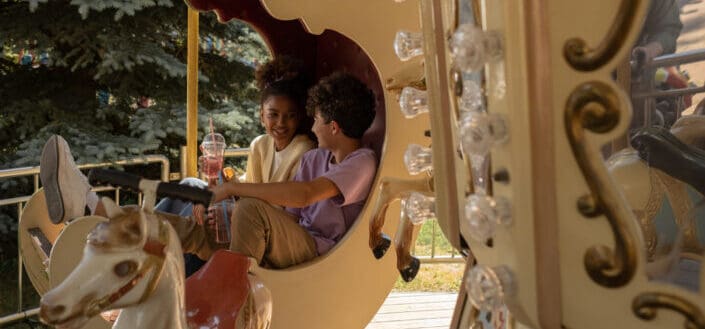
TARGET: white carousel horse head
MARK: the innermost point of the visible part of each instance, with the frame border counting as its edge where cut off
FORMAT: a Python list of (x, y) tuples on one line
[(134, 262), (134, 258)]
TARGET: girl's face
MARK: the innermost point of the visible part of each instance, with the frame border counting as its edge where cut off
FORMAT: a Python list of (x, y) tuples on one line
[(280, 119)]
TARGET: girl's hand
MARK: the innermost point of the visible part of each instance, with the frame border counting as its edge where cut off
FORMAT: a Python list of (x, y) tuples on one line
[(199, 211)]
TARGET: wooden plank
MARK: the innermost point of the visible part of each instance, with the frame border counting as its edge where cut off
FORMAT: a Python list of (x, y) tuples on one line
[(419, 315), (415, 310), (395, 300), (443, 305), (411, 324)]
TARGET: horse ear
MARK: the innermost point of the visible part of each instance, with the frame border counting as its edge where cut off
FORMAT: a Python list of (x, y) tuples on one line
[(111, 208)]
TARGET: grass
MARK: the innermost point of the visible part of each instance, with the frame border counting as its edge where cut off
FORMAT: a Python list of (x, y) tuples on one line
[(444, 277), (434, 277)]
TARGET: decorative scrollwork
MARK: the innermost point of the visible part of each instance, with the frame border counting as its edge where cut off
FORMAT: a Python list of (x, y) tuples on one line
[(595, 106), (646, 304), (583, 58)]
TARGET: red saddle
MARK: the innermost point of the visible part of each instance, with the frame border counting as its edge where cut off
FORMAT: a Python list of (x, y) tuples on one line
[(215, 294)]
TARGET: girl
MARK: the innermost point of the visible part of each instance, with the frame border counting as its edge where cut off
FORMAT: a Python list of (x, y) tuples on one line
[(274, 156)]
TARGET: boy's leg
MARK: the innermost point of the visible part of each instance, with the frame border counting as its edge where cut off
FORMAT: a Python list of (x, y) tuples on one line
[(269, 234), (180, 207), (66, 189), (195, 239), (192, 263)]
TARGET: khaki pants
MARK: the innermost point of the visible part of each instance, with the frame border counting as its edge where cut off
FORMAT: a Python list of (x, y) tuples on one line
[(270, 235)]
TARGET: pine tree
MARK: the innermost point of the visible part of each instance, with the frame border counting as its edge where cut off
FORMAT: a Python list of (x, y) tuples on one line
[(110, 77)]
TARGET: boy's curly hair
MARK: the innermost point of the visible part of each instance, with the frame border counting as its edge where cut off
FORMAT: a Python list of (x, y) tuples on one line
[(342, 98), (285, 76)]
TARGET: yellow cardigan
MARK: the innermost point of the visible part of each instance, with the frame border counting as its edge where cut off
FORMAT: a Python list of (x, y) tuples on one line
[(261, 158)]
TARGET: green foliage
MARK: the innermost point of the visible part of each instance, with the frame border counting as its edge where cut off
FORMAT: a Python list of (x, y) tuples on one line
[(130, 50), (110, 77)]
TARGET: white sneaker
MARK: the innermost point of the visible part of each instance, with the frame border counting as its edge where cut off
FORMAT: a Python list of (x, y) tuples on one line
[(65, 187)]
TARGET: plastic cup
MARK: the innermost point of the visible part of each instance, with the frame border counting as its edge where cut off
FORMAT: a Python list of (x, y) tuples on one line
[(213, 148), (220, 213)]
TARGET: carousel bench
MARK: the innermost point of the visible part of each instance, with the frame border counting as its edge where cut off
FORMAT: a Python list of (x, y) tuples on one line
[(40, 241)]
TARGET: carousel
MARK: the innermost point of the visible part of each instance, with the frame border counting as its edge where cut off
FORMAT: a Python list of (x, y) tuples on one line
[(558, 143)]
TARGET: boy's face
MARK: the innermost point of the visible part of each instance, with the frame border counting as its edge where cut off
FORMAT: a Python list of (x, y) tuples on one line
[(322, 130)]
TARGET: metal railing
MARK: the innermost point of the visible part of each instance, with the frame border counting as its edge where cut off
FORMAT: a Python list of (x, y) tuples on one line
[(22, 200), (645, 90)]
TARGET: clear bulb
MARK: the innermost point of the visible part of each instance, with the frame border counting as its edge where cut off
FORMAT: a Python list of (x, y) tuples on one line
[(484, 213), (413, 102), (419, 208), (475, 134), (418, 159), (471, 100), (480, 216), (471, 47), (408, 45), (489, 286), (479, 131)]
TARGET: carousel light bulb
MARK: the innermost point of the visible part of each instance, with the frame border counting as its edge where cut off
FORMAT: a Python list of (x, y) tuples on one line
[(471, 47), (480, 131), (471, 99), (489, 286), (483, 213), (413, 102), (408, 45), (417, 159), (419, 208), (475, 134)]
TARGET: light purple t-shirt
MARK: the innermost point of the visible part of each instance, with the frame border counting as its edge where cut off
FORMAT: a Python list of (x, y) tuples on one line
[(328, 220)]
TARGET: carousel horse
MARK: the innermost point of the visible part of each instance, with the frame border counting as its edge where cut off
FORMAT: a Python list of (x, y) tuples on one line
[(389, 191), (659, 179), (662, 150), (134, 262)]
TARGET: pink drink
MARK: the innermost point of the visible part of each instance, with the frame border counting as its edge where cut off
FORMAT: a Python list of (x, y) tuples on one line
[(220, 213), (213, 147), (212, 166)]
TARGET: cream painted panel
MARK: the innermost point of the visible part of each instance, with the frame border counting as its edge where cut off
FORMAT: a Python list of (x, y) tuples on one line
[(344, 288), (585, 303)]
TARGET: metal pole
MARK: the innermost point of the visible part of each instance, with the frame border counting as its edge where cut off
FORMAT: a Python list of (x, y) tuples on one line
[(18, 316), (19, 261), (433, 239), (192, 95)]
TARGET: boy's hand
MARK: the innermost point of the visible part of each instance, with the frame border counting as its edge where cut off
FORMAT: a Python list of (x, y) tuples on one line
[(220, 192)]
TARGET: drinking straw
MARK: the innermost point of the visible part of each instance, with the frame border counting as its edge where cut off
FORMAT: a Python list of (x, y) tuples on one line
[(225, 207)]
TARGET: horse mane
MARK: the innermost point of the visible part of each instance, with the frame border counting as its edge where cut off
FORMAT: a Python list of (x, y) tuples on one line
[(121, 231)]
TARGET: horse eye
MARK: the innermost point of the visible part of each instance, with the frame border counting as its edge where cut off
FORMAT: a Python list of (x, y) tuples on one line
[(124, 268)]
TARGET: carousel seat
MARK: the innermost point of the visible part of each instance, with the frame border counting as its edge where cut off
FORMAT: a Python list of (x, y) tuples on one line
[(37, 236), (216, 293)]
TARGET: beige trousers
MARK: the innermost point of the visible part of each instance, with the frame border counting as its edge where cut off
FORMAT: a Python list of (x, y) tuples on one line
[(270, 235)]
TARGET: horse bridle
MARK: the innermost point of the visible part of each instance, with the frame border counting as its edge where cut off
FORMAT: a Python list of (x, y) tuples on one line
[(156, 256)]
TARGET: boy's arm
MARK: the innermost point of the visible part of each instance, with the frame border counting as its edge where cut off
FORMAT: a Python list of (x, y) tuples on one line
[(288, 194)]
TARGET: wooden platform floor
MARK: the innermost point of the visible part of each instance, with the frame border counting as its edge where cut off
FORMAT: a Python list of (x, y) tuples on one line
[(415, 310)]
